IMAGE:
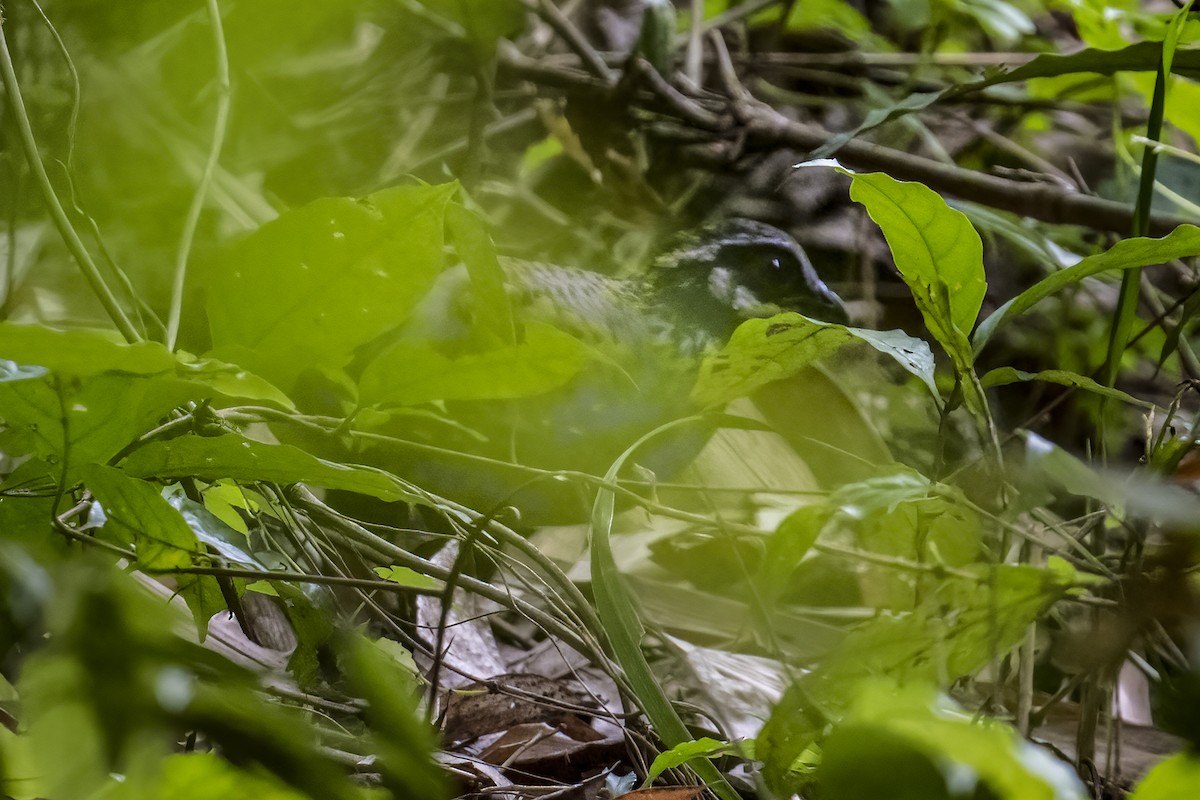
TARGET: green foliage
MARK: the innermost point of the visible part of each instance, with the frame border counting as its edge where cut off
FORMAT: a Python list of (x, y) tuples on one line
[(1176, 777), (234, 457), (291, 295), (923, 647), (763, 351), (371, 342), (923, 746), (938, 253), (684, 752), (412, 373), (113, 676), (1136, 253)]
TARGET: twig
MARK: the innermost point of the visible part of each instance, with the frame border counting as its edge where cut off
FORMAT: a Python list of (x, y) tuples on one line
[(676, 101), (573, 38), (693, 61), (767, 129), (1047, 203)]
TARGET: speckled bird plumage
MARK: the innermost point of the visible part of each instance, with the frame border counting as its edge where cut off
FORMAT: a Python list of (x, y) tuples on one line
[(696, 291), (648, 334)]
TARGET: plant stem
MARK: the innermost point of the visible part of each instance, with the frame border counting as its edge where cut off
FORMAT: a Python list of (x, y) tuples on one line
[(12, 90), (220, 126)]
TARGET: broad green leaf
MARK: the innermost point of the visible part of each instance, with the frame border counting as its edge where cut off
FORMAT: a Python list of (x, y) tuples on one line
[(205, 776), (81, 353), (1176, 778), (828, 14), (1183, 242), (237, 458), (410, 372), (26, 521), (684, 752), (913, 720), (78, 421), (1001, 20), (992, 614), (1003, 376), (136, 514), (883, 494), (762, 351), (404, 576), (222, 499), (306, 289), (210, 530), (788, 546), (231, 381), (937, 252)]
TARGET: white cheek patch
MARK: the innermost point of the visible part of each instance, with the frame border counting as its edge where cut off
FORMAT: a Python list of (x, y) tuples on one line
[(745, 302), (720, 283)]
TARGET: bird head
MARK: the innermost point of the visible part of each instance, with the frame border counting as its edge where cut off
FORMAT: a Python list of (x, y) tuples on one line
[(741, 266)]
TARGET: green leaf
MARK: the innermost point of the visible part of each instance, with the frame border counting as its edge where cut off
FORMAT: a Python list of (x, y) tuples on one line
[(237, 458), (212, 531), (1002, 21), (936, 250), (1003, 376), (788, 546), (405, 576), (80, 421), (992, 612), (204, 776), (306, 289), (1183, 242), (684, 752), (81, 353), (762, 351), (231, 381), (410, 372), (399, 736), (136, 514), (1140, 494), (1175, 778), (889, 724), (828, 14)]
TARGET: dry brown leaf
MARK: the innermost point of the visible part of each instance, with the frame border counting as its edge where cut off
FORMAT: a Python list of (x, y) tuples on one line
[(666, 793)]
